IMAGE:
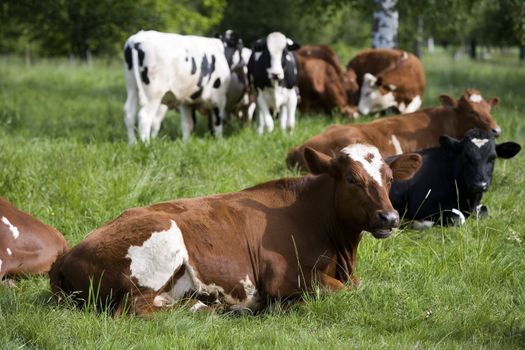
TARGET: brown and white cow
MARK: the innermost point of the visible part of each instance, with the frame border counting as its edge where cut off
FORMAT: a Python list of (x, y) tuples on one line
[(410, 132), (323, 85), (27, 246), (274, 240), (388, 78)]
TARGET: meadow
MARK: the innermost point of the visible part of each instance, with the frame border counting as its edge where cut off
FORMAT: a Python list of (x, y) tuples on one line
[(64, 158)]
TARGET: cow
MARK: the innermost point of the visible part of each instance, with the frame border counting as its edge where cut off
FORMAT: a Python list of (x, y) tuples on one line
[(165, 70), (408, 133), (388, 78), (27, 245), (242, 249), (452, 179), (323, 85), (240, 100), (272, 71)]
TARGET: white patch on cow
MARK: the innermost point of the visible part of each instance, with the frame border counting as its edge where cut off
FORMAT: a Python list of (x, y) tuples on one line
[(459, 219), (276, 43), (258, 55), (12, 228), (421, 225), (371, 100), (479, 142), (197, 306), (359, 152), (162, 300), (249, 288), (0, 264), (413, 105), (397, 146), (476, 98), (9, 252), (158, 258)]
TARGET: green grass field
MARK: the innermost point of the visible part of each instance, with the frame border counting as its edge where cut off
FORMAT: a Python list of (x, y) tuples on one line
[(64, 158)]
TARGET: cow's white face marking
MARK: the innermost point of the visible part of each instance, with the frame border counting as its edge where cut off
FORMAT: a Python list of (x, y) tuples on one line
[(479, 142), (361, 154), (9, 252), (413, 105), (12, 228), (159, 257), (276, 43), (397, 146), (475, 98), (371, 99)]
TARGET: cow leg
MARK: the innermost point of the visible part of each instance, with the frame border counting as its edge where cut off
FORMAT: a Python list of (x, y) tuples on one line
[(157, 121), (265, 118), (146, 116), (130, 114), (218, 119), (283, 117), (292, 106), (329, 283), (186, 120)]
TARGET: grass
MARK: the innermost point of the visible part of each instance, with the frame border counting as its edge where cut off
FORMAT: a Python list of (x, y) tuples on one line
[(65, 159)]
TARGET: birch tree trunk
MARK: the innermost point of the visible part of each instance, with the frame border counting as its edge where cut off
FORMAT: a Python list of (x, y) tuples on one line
[(385, 24)]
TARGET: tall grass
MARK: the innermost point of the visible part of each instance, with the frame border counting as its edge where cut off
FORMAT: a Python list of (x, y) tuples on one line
[(64, 158)]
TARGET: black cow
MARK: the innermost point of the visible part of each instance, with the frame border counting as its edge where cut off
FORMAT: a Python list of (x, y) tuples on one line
[(273, 73), (449, 186)]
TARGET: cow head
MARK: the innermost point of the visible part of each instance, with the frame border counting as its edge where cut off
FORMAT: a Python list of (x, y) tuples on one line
[(375, 96), (473, 111), (478, 151), (362, 182), (278, 46), (232, 48)]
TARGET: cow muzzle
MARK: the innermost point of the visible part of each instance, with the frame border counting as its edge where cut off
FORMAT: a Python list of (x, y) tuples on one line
[(383, 223), (496, 131)]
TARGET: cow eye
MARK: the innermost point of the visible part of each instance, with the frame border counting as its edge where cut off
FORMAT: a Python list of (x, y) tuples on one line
[(351, 180)]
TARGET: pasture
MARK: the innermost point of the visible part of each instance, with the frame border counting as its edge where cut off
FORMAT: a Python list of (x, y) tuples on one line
[(64, 158)]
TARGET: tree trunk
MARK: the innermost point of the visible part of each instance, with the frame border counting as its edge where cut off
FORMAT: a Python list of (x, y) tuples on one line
[(473, 44), (385, 24), (522, 53), (418, 45)]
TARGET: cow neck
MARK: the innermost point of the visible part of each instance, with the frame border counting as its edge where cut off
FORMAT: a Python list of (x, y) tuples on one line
[(467, 201)]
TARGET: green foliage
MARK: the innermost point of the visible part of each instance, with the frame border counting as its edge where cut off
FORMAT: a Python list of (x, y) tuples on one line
[(64, 158)]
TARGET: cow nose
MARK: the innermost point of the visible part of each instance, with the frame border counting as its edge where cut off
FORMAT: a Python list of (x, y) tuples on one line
[(274, 76), (388, 218), (481, 186), (496, 131)]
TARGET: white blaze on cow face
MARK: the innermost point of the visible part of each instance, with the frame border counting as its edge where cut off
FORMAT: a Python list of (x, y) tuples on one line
[(479, 142), (413, 105), (9, 252), (397, 146), (276, 43), (371, 99), (361, 154), (12, 228), (158, 258), (475, 98)]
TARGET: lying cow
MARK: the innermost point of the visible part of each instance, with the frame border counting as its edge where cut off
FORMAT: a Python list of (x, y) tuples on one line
[(273, 73), (322, 83), (274, 240), (27, 246), (407, 133), (167, 70), (449, 186), (388, 78)]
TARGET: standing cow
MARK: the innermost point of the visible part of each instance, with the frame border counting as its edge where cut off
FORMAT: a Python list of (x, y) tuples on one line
[(273, 73), (388, 78), (27, 245), (452, 179), (167, 70)]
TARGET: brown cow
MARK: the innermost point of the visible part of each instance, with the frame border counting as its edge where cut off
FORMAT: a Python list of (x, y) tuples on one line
[(410, 132), (322, 83), (274, 240), (388, 78), (27, 246)]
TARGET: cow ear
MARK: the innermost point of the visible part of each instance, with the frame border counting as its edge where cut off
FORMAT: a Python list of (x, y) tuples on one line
[(318, 163), (493, 102), (259, 45), (507, 150), (449, 144), (405, 166), (447, 101), (292, 45)]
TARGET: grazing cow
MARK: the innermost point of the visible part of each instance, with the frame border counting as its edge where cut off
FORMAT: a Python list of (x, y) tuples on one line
[(273, 73), (322, 84), (388, 78), (407, 133), (449, 186), (240, 101), (27, 246), (274, 240), (167, 70)]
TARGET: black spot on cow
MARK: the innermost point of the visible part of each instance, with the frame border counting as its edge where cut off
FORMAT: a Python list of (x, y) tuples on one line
[(141, 54), (193, 66), (217, 83), (127, 57), (196, 94), (212, 68), (217, 116), (144, 75), (186, 59)]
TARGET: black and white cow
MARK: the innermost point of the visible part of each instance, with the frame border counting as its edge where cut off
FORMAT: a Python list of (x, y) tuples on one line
[(239, 97), (168, 70), (273, 73), (450, 183)]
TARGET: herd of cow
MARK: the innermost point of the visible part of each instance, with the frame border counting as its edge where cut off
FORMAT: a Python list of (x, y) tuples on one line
[(281, 238)]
